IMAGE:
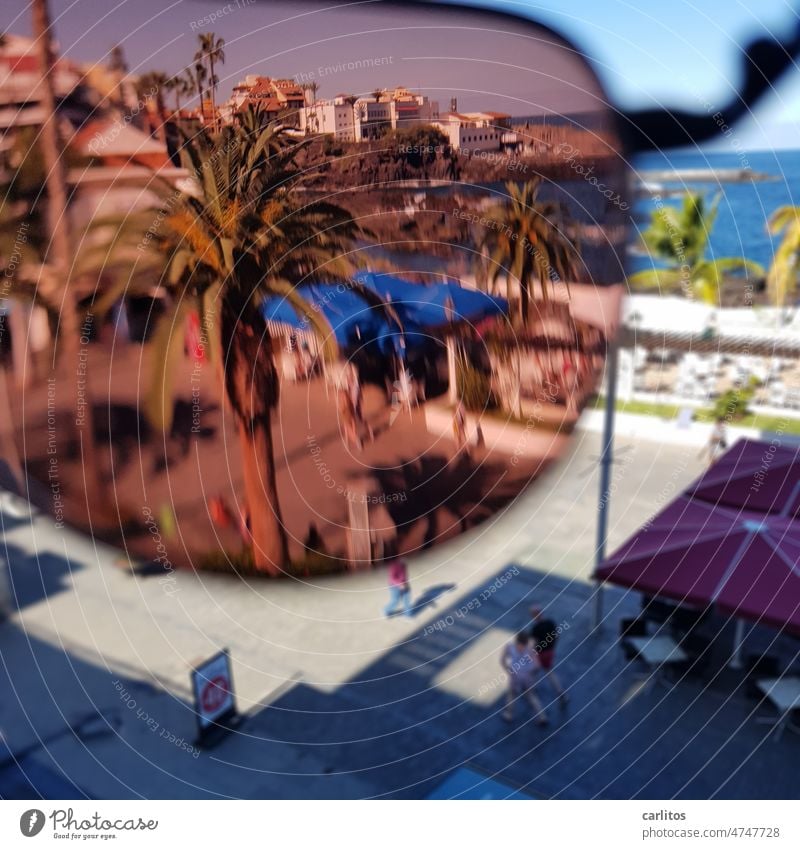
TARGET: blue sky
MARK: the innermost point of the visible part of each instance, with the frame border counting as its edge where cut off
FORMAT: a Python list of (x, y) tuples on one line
[(671, 53)]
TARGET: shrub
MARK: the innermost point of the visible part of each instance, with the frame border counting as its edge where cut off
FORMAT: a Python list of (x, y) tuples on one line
[(474, 388), (241, 563), (733, 404)]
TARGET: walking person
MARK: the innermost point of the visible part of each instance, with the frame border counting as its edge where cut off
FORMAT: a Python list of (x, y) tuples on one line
[(357, 404), (521, 664), (347, 416), (543, 636), (460, 428), (717, 441), (399, 588)]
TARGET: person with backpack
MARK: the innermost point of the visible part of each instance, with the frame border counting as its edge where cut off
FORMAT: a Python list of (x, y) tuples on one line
[(543, 638)]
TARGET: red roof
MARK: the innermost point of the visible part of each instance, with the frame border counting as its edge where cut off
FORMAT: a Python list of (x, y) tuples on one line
[(267, 103)]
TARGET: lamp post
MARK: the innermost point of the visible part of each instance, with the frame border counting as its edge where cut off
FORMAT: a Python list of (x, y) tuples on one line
[(606, 462)]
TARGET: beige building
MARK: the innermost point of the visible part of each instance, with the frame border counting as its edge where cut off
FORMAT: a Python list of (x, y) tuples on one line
[(352, 118), (475, 131)]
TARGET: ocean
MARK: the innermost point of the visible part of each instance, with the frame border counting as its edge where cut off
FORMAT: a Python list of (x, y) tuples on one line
[(745, 207)]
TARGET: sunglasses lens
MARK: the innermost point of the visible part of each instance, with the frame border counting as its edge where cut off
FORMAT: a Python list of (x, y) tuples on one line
[(347, 291)]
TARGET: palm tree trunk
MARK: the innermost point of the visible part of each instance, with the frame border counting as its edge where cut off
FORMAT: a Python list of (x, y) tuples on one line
[(270, 548), (510, 292), (524, 300), (211, 92), (60, 254), (252, 389)]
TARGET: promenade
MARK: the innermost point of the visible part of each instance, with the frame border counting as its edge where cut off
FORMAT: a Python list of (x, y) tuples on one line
[(340, 702)]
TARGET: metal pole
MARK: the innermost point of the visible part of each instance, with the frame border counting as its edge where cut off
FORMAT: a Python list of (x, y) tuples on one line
[(606, 462), (452, 389), (738, 644)]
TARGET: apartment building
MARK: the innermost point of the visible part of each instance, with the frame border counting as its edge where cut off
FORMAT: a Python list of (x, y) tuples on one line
[(475, 131), (351, 118), (274, 98)]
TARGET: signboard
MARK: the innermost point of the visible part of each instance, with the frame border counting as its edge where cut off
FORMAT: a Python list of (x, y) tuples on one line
[(212, 684)]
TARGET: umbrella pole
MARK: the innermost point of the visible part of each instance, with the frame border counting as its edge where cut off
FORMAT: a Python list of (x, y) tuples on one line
[(452, 389), (606, 462), (738, 644)]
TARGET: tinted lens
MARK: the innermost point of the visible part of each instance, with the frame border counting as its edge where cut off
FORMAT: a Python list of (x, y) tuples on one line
[(336, 289)]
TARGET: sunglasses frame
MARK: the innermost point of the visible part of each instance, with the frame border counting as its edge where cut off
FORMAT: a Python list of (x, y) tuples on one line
[(765, 60)]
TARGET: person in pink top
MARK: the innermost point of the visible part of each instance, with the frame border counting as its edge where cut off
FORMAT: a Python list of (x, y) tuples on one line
[(399, 588)]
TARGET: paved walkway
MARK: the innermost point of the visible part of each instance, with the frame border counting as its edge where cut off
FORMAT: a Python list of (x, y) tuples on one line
[(340, 701)]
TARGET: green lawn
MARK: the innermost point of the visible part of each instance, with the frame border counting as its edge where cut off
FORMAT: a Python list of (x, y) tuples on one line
[(775, 424)]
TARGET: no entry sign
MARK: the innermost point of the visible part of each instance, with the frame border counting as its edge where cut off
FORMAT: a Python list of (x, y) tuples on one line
[(212, 684)]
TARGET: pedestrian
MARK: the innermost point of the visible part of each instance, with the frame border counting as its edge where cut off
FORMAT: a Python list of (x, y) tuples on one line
[(399, 588), (347, 416), (521, 664), (717, 441), (460, 427), (544, 636)]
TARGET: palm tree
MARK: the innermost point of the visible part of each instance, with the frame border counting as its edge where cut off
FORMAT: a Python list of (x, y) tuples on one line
[(175, 85), (527, 243), (783, 273), (679, 237), (58, 257), (198, 75), (351, 100), (181, 85), (237, 239), (212, 50), (153, 84)]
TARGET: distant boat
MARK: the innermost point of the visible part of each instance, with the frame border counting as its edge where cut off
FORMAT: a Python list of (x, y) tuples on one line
[(704, 175)]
